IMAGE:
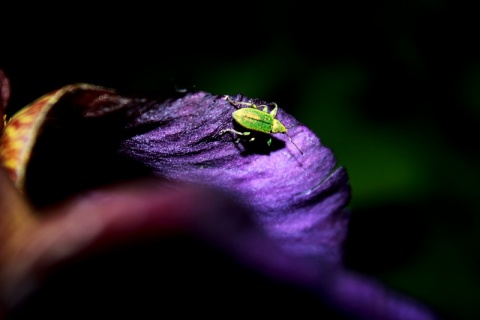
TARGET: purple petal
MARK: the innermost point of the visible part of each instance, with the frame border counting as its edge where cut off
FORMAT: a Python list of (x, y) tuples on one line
[(298, 199), (365, 298)]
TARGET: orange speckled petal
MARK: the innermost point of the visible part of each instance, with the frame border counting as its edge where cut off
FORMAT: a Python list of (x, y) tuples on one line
[(22, 128)]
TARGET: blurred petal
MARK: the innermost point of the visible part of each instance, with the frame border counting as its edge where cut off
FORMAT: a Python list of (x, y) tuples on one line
[(149, 210), (363, 298), (101, 218)]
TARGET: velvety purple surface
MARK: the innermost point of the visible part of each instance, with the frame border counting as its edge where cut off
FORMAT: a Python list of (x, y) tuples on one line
[(299, 199), (273, 209)]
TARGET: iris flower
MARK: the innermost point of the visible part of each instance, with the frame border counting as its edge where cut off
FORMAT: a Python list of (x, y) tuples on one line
[(133, 206)]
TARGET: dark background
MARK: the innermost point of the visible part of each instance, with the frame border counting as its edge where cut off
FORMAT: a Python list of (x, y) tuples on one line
[(391, 86)]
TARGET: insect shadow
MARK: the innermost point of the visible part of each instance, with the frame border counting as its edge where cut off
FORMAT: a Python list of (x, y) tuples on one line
[(260, 143), (256, 120)]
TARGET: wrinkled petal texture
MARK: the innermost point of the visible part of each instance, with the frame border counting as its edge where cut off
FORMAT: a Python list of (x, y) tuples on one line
[(299, 199)]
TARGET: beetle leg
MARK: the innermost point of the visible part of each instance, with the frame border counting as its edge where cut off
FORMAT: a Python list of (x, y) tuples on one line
[(237, 103), (274, 111), (247, 133), (265, 107), (235, 131)]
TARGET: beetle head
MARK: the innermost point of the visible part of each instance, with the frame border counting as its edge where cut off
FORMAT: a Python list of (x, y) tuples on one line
[(278, 127)]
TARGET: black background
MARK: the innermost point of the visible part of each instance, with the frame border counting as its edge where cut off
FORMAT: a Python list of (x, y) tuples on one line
[(391, 86)]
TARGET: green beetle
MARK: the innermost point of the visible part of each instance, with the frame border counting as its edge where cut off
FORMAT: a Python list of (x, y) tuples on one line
[(254, 119)]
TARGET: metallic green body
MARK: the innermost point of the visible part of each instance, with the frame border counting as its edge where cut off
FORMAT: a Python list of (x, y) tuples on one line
[(254, 119)]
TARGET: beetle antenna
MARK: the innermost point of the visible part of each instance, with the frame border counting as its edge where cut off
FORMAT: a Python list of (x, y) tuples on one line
[(294, 143)]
